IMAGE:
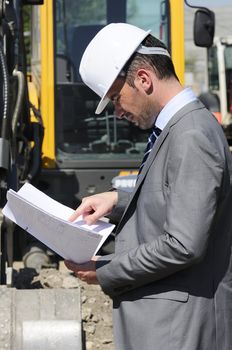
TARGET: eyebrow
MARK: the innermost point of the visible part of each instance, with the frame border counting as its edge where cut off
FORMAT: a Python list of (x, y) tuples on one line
[(112, 95)]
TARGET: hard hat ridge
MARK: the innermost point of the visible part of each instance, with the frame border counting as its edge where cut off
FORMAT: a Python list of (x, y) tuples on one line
[(151, 50)]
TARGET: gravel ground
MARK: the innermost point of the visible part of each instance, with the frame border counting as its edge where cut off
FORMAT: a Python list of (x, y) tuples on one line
[(97, 318)]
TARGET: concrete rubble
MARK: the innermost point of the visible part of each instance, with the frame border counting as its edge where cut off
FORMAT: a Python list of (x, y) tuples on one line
[(96, 306)]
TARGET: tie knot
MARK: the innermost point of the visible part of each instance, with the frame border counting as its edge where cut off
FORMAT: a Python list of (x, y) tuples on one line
[(156, 130), (151, 140), (154, 134)]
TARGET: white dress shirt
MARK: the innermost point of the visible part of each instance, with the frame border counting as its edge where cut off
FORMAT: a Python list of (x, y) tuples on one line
[(174, 105)]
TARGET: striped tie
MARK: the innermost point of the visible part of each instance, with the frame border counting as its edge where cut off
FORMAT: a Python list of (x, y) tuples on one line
[(151, 140)]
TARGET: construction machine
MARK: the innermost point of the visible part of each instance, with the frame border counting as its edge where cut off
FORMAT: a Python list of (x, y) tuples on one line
[(51, 137)]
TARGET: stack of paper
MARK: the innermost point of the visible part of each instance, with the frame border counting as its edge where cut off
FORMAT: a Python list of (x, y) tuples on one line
[(47, 220)]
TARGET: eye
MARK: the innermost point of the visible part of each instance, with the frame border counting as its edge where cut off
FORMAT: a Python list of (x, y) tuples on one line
[(115, 98)]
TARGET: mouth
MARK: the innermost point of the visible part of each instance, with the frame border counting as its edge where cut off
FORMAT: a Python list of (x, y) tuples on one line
[(129, 117)]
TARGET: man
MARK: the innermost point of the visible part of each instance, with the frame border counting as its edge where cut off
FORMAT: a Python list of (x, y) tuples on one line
[(170, 276)]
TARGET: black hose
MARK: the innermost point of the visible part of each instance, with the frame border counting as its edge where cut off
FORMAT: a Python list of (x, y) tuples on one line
[(5, 95), (17, 110)]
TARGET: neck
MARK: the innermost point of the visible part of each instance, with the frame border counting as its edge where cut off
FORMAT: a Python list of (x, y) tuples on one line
[(165, 91)]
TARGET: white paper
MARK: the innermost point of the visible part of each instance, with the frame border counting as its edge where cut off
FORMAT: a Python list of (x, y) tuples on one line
[(47, 220)]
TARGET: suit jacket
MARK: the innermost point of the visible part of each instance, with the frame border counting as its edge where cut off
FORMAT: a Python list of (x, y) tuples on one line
[(171, 276)]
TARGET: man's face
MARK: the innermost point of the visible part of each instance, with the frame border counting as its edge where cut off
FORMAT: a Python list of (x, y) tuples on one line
[(131, 103)]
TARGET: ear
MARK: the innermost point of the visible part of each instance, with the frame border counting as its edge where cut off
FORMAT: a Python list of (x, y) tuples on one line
[(144, 80)]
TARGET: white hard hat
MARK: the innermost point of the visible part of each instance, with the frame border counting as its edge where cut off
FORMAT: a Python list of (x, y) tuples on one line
[(106, 55)]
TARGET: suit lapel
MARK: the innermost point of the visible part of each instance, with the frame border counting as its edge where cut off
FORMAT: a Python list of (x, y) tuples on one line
[(152, 156)]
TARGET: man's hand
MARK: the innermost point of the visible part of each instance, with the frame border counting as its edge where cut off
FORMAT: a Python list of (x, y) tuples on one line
[(85, 272), (94, 207)]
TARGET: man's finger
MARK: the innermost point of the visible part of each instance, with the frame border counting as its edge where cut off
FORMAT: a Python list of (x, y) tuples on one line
[(80, 267), (76, 214), (70, 265), (91, 218)]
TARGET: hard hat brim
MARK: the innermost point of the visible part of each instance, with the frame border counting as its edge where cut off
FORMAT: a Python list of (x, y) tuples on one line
[(102, 104)]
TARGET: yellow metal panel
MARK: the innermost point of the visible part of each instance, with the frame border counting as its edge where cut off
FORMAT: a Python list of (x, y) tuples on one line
[(47, 82), (33, 97), (128, 172), (177, 36)]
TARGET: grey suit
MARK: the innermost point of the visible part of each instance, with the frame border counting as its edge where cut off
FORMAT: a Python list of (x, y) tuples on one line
[(171, 276)]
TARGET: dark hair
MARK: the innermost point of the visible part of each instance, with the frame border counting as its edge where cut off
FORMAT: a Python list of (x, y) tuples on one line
[(161, 64)]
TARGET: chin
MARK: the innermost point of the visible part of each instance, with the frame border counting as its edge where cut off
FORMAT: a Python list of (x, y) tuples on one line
[(143, 127)]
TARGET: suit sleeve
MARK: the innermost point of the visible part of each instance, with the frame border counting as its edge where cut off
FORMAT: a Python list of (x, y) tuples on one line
[(195, 172)]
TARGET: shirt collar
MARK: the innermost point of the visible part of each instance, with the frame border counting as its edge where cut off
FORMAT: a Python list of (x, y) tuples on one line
[(173, 106)]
